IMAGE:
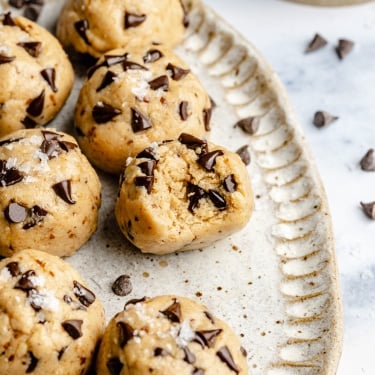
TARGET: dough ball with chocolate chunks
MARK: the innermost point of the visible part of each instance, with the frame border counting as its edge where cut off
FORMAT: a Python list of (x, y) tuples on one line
[(169, 335), (36, 75), (95, 27), (50, 321), (133, 97), (49, 193), (183, 195)]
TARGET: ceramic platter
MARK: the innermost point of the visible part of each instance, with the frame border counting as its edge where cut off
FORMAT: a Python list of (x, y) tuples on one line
[(275, 281)]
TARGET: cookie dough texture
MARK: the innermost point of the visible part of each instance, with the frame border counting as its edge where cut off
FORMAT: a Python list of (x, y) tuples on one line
[(169, 335), (183, 195), (95, 27), (133, 97), (36, 75), (50, 322), (49, 193)]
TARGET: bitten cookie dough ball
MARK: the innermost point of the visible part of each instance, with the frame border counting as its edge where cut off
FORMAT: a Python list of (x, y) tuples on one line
[(136, 96), (169, 335), (95, 27), (36, 75), (50, 323), (183, 195), (49, 193)]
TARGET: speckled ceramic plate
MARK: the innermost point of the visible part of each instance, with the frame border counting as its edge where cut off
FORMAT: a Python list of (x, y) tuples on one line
[(331, 2), (275, 281)]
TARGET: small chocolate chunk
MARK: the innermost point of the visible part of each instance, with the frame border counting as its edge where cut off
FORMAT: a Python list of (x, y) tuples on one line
[(173, 312), (343, 48), (208, 337), (230, 184), (249, 125), (194, 194), (225, 356), (67, 146), (13, 268), (9, 141), (134, 20), (139, 121), (122, 286), (9, 176), (189, 357), (160, 83), (32, 12), (148, 167), (148, 153), (131, 65), (32, 48), (103, 113), (369, 209), (67, 299), (208, 160), (35, 215), (243, 351), (244, 154), (35, 107), (29, 123), (111, 60), (194, 143), (152, 55), (51, 148), (64, 190), (17, 3), (33, 363), (126, 333), (145, 181), (26, 283), (84, 295), (322, 118), (368, 161), (49, 75), (73, 328), (6, 59), (210, 317), (8, 20), (109, 78), (177, 73), (81, 27), (198, 371), (134, 301), (184, 114), (207, 114), (114, 366), (217, 199), (15, 213), (160, 352), (316, 43), (61, 352), (34, 302)]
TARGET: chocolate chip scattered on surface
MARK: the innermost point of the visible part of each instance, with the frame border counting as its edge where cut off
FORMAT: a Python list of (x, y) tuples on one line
[(323, 118)]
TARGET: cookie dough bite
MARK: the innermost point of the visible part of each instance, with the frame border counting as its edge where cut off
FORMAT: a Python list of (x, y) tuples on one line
[(169, 335), (36, 75), (49, 193), (183, 195), (50, 322), (133, 97), (95, 27)]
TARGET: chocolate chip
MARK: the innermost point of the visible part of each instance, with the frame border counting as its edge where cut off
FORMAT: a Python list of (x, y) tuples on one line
[(109, 78), (131, 65), (177, 73), (25, 283), (122, 286), (148, 167), (73, 328), (193, 143), (9, 141), (51, 148), (134, 20), (225, 356), (194, 194), (13, 268), (208, 337), (316, 43), (368, 161), (35, 215), (198, 371), (160, 352), (15, 213), (126, 333), (81, 27), (29, 123), (34, 301), (111, 60), (173, 312), (114, 366), (160, 83), (33, 363), (249, 125), (35, 107), (147, 153), (84, 295), (9, 176), (244, 154), (208, 161), (103, 112), (8, 20), (369, 209), (61, 352), (152, 55), (134, 301), (184, 114), (217, 199), (17, 3), (6, 59), (322, 118), (32, 12), (145, 181), (49, 75), (210, 317), (64, 190), (139, 121), (344, 47), (67, 299), (230, 184), (243, 351), (32, 48), (189, 357), (207, 114)]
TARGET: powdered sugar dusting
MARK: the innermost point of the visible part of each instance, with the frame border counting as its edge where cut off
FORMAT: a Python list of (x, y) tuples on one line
[(44, 299)]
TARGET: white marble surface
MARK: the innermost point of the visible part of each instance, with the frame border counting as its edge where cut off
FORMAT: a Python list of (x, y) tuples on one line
[(319, 81)]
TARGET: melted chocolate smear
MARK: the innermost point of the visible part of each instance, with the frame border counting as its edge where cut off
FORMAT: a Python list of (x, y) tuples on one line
[(29, 123), (147, 153), (36, 214), (8, 20), (134, 20), (208, 337), (33, 363), (244, 154), (207, 114), (189, 357), (217, 199), (15, 213), (135, 301), (173, 312), (49, 75), (111, 60), (108, 79), (210, 317), (194, 194), (148, 167), (103, 113), (160, 352), (177, 73), (114, 366), (160, 83), (13, 268), (152, 55), (184, 114), (122, 286), (126, 333), (9, 176), (84, 295), (61, 353), (81, 27), (73, 328), (131, 65), (6, 59), (249, 125), (194, 143), (145, 181), (94, 68), (139, 121), (208, 161), (35, 107), (9, 141), (226, 357), (32, 48), (63, 189), (25, 283)]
